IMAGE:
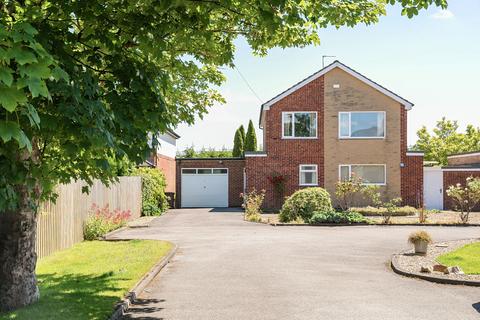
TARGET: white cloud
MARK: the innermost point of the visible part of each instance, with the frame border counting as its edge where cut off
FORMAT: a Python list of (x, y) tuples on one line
[(443, 14)]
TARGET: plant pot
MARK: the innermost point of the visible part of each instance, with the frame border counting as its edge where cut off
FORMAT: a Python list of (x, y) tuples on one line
[(421, 247)]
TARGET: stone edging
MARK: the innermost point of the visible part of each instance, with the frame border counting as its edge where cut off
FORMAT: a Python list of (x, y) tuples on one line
[(122, 306), (429, 277), (373, 224)]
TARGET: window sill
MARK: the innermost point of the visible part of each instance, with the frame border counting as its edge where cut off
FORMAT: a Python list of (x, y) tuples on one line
[(299, 138), (308, 185), (361, 138)]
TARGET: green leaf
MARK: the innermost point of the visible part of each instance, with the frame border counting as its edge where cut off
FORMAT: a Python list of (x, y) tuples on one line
[(9, 130), (59, 74), (22, 56), (23, 141), (36, 70), (28, 29), (33, 116), (6, 75), (10, 97), (37, 87)]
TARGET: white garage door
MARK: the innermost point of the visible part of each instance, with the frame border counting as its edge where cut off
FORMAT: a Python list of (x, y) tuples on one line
[(204, 187)]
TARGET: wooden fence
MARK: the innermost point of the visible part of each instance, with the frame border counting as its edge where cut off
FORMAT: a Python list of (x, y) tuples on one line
[(60, 224)]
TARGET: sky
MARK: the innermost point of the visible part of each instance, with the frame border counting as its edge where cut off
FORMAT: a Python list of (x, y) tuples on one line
[(432, 60)]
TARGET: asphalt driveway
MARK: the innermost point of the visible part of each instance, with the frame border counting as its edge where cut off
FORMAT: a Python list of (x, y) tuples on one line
[(226, 268)]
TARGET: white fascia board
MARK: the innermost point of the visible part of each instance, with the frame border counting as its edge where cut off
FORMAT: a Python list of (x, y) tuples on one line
[(415, 154)]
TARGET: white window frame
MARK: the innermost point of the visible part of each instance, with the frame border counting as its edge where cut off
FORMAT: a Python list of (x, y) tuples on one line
[(365, 165), (196, 171), (293, 125), (300, 174), (350, 125)]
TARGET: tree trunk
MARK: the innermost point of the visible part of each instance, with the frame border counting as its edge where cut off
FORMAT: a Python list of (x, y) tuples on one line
[(18, 284)]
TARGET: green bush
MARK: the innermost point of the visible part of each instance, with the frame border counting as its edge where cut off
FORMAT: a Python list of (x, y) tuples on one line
[(373, 211), (154, 200), (336, 217), (303, 203)]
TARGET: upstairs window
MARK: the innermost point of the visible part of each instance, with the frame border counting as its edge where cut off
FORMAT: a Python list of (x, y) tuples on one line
[(302, 125), (358, 125)]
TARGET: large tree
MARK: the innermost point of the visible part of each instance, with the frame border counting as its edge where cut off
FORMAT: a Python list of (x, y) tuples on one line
[(446, 140), (84, 81), (251, 138)]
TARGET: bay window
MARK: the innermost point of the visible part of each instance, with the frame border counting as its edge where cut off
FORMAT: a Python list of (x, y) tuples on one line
[(368, 173), (299, 125), (362, 124)]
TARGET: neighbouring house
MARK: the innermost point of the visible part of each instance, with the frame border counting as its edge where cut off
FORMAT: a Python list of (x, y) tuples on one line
[(334, 124), (437, 179)]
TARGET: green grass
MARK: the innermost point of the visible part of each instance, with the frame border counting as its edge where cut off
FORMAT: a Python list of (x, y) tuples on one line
[(85, 281), (466, 257)]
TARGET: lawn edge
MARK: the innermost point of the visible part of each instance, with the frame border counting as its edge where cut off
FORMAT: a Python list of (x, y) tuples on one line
[(122, 307), (432, 278)]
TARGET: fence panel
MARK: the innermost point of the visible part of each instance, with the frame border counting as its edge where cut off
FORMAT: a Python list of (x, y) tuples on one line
[(60, 224)]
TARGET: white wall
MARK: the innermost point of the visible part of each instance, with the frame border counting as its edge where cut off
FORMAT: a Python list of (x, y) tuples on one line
[(168, 145)]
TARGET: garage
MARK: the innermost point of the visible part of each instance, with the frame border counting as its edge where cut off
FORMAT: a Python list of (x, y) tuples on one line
[(204, 187)]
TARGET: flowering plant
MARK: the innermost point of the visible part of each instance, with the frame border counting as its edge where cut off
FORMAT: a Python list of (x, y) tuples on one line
[(278, 180), (465, 198), (102, 220)]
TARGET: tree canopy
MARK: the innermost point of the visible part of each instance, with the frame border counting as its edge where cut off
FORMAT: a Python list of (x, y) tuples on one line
[(446, 140)]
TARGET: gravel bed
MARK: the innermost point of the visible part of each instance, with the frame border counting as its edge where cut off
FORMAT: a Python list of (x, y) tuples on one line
[(409, 262)]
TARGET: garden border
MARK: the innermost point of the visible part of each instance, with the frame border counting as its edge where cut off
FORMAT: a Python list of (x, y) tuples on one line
[(432, 278), (122, 307), (373, 224)]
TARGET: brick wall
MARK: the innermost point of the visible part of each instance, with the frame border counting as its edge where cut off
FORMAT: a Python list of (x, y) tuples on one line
[(412, 181), (167, 165), (286, 155), (235, 176), (412, 172), (452, 178)]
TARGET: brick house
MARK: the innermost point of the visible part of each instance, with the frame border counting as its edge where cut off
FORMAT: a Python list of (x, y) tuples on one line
[(331, 125)]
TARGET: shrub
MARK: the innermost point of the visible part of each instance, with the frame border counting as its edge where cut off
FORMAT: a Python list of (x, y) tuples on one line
[(252, 203), (345, 191), (391, 206), (465, 198), (419, 236), (101, 221), (154, 200), (336, 217), (374, 211), (303, 203)]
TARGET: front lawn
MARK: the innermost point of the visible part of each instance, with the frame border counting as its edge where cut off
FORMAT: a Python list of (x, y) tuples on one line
[(85, 281), (467, 258)]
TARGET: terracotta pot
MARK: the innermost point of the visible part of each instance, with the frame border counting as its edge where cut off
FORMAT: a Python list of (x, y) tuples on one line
[(421, 247)]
